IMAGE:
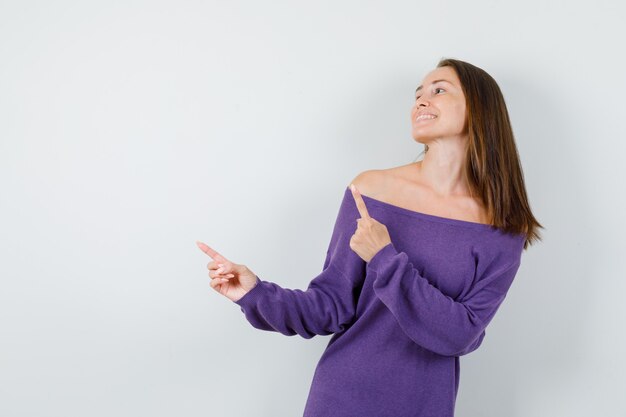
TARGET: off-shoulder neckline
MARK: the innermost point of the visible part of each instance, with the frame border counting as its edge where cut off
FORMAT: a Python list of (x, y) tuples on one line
[(425, 216)]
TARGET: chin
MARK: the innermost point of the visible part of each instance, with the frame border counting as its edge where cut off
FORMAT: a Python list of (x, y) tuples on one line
[(421, 138), (421, 141)]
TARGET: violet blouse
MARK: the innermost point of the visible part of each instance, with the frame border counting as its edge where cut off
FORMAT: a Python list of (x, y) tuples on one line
[(399, 322)]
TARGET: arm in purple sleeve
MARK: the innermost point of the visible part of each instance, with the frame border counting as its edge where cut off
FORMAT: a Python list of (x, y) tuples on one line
[(329, 303), (432, 319)]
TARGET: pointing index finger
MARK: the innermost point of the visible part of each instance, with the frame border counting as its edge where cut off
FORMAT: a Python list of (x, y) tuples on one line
[(209, 251), (360, 204)]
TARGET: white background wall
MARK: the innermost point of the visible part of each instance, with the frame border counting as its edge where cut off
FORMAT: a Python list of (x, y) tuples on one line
[(131, 129)]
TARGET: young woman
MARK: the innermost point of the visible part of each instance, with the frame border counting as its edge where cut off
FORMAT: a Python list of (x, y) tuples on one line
[(420, 259)]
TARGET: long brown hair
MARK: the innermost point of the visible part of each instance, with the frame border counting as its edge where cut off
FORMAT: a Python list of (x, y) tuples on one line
[(493, 169)]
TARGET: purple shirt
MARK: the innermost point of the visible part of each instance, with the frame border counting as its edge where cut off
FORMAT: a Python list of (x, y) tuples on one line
[(400, 321)]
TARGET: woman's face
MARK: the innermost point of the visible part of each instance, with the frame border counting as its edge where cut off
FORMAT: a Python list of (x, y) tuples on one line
[(444, 100)]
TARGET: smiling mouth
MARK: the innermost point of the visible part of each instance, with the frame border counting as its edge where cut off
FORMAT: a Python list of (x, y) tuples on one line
[(422, 118)]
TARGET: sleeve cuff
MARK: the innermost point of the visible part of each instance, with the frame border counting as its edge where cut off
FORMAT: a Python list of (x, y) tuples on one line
[(381, 257), (252, 295)]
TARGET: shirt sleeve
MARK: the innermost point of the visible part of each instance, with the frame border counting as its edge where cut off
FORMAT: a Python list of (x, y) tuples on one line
[(328, 305), (432, 319)]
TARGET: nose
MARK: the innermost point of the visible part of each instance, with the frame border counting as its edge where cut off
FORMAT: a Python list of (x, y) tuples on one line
[(419, 104), (421, 101)]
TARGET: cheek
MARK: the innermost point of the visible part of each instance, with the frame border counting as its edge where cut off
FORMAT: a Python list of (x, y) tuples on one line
[(459, 108), (459, 112)]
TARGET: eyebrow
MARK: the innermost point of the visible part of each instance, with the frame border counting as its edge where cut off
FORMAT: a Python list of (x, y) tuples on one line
[(434, 82)]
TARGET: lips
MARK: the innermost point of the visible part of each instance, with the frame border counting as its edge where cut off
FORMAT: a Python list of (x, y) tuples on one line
[(425, 116)]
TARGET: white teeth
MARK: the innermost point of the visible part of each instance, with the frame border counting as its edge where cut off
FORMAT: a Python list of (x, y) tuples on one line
[(425, 116)]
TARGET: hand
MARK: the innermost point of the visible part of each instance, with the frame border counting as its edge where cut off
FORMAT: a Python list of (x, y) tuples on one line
[(229, 279), (371, 235)]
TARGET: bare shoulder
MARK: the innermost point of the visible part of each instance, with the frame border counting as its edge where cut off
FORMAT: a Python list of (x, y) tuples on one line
[(374, 182), (367, 182)]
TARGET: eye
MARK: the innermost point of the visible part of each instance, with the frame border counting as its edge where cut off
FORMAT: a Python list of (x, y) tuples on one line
[(438, 88)]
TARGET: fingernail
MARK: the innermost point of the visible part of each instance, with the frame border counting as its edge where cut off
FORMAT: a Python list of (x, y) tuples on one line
[(352, 187)]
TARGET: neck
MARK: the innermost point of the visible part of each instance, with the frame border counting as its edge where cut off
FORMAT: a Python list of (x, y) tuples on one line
[(442, 170)]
